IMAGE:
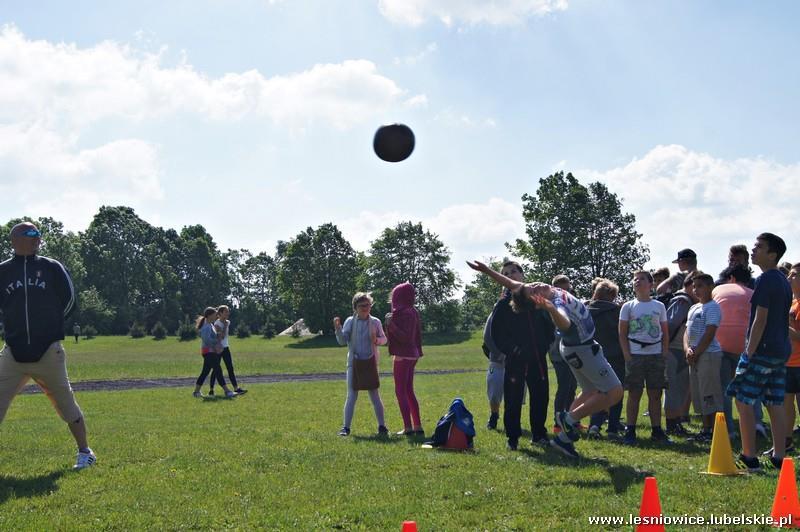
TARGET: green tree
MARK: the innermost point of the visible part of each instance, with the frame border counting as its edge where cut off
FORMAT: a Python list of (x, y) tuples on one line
[(317, 275), (579, 231), (203, 279), (94, 310), (407, 252), (254, 285), (118, 263)]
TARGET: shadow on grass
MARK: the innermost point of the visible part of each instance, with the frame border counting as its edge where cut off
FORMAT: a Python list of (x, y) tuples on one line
[(214, 398), (621, 477), (29, 486), (376, 438), (681, 447), (314, 342)]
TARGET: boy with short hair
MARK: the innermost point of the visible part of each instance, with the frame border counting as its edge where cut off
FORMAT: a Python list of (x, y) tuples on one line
[(644, 338), (703, 352), (676, 397), (761, 372)]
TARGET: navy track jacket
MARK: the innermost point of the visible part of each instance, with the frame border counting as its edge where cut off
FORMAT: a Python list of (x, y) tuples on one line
[(36, 295)]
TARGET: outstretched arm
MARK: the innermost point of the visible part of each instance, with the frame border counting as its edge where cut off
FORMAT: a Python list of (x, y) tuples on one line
[(497, 277)]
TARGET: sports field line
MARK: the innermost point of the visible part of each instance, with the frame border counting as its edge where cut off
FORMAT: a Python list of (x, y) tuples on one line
[(178, 382)]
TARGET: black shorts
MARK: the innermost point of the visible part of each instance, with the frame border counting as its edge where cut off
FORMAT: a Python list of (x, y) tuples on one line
[(792, 379)]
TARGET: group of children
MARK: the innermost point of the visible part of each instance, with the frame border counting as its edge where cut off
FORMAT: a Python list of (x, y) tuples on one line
[(672, 346), (703, 341), (213, 327)]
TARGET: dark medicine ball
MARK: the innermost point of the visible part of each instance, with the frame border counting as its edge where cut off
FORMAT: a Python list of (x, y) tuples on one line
[(394, 142)]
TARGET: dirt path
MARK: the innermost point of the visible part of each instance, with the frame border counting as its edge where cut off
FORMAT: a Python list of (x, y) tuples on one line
[(178, 382)]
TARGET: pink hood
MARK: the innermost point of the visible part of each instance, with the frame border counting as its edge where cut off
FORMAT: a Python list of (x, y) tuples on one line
[(405, 330)]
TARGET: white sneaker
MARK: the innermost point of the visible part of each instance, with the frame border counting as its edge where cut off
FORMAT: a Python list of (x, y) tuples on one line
[(85, 460), (230, 394)]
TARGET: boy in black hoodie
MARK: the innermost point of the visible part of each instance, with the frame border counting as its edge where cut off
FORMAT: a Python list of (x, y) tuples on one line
[(605, 313)]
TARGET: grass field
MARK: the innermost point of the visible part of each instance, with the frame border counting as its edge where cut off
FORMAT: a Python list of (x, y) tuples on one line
[(272, 460), (118, 357)]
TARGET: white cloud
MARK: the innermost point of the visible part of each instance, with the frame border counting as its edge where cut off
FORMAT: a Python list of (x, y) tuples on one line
[(470, 230), (471, 12), (54, 97), (65, 85), (46, 174), (683, 198), (412, 60)]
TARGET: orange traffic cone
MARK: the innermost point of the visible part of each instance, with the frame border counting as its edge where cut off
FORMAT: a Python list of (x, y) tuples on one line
[(720, 461), (409, 526), (786, 507), (651, 506)]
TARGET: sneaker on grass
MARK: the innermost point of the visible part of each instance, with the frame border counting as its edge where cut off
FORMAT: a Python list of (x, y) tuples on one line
[(382, 430), (629, 438), (198, 393), (230, 394), (748, 463), (566, 426), (211, 392), (657, 435), (84, 460), (240, 391), (567, 448), (512, 444), (593, 433), (344, 431), (702, 437), (541, 442), (770, 463), (492, 423), (678, 430)]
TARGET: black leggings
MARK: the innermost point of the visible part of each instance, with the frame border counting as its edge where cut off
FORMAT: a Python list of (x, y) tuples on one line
[(226, 357), (211, 365)]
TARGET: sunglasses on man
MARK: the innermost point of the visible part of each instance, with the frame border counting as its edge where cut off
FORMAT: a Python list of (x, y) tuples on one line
[(33, 233)]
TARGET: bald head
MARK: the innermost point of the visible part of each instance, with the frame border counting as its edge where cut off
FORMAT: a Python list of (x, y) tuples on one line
[(25, 238)]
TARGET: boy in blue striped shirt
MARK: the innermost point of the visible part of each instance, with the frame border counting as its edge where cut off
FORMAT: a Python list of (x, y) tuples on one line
[(703, 352)]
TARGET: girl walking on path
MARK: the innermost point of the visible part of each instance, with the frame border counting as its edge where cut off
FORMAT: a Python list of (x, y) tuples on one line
[(210, 349), (223, 325), (362, 334), (404, 331)]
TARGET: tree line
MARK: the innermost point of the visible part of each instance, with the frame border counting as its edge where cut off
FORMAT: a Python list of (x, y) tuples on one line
[(129, 273)]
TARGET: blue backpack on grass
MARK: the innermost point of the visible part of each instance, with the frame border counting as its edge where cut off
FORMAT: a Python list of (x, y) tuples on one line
[(455, 429)]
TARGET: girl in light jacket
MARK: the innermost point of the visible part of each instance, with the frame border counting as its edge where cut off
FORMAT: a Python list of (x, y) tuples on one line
[(362, 334)]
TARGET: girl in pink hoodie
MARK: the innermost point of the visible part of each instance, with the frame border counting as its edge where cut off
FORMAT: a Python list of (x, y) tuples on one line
[(404, 332)]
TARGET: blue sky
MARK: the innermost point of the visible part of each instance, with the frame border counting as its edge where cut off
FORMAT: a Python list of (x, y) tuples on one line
[(255, 118)]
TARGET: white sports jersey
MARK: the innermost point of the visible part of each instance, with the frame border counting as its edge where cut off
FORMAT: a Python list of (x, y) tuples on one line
[(582, 328)]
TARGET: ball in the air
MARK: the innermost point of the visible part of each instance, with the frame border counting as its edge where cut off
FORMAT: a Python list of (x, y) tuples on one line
[(394, 142)]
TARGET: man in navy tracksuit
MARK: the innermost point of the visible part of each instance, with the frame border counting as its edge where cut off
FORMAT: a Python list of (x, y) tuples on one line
[(36, 294), (524, 338)]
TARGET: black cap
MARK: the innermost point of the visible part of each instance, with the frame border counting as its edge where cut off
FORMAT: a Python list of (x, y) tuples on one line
[(685, 254)]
